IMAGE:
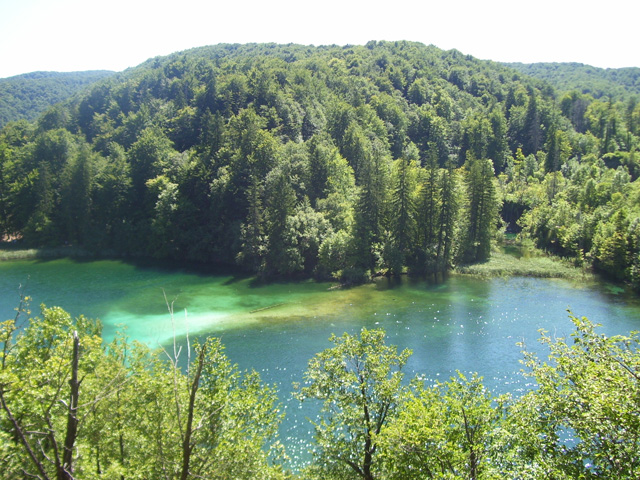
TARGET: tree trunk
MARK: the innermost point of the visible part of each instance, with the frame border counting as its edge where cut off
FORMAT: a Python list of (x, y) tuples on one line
[(187, 447), (65, 471)]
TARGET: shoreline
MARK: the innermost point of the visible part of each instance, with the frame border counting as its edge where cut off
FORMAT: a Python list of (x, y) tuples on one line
[(8, 254), (538, 265), (500, 264)]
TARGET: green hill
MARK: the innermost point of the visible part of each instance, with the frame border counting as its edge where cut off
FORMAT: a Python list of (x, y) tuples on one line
[(27, 96), (338, 161), (617, 83)]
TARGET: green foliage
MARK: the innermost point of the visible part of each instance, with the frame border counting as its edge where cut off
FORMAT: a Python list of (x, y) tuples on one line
[(482, 211), (73, 407), (581, 421), (403, 202), (134, 414), (28, 96), (261, 154), (588, 216), (620, 83), (444, 431), (359, 382), (318, 129)]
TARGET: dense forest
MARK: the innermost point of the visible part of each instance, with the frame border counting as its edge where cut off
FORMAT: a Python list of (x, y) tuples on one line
[(27, 96), (615, 83), (73, 407), (334, 162)]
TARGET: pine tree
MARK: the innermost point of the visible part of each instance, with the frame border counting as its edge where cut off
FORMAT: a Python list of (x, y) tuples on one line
[(429, 208), (532, 129), (448, 218), (370, 207), (482, 210), (253, 236), (403, 204)]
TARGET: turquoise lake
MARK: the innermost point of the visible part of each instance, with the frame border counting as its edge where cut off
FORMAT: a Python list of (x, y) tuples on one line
[(464, 323)]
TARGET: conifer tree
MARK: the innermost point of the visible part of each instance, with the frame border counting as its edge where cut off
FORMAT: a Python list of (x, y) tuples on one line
[(448, 218), (482, 210)]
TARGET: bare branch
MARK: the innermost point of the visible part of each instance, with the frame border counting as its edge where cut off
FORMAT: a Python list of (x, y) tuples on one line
[(54, 443), (44, 453), (173, 325), (72, 418), (22, 436), (186, 324), (30, 475), (187, 446)]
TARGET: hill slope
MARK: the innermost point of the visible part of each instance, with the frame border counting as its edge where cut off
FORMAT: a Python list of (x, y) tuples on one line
[(27, 96), (618, 83), (329, 161)]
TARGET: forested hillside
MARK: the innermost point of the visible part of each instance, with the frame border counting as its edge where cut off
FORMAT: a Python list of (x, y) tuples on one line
[(27, 96), (618, 83), (328, 161)]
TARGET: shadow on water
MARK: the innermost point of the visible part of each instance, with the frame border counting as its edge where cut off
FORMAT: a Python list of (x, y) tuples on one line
[(235, 278), (81, 257), (436, 281)]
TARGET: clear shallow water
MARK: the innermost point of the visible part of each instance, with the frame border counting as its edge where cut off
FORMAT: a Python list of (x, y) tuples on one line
[(465, 324)]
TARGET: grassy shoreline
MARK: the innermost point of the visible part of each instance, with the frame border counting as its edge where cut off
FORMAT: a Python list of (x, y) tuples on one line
[(501, 264), (539, 265), (11, 253)]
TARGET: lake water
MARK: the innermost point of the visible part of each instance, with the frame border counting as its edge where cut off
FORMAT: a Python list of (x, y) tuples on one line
[(465, 323)]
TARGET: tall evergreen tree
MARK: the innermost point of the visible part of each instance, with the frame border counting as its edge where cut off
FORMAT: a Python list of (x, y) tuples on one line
[(448, 218), (532, 138), (429, 211), (403, 207), (280, 203), (371, 206), (497, 147), (482, 210), (253, 237), (76, 197), (4, 189)]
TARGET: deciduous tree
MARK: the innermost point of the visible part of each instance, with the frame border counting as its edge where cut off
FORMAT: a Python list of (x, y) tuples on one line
[(359, 382)]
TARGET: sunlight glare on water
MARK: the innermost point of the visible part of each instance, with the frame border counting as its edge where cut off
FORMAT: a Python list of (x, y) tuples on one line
[(465, 324)]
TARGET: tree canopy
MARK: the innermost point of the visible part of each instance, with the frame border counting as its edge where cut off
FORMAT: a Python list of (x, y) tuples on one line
[(27, 96), (334, 162), (72, 406)]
